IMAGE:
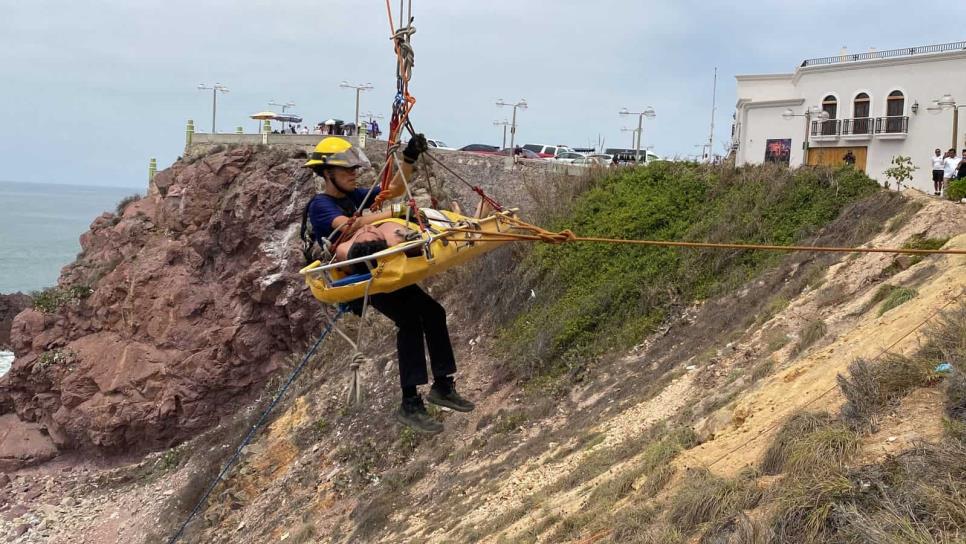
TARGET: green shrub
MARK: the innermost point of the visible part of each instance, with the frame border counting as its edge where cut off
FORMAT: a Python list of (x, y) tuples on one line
[(123, 204), (956, 190)]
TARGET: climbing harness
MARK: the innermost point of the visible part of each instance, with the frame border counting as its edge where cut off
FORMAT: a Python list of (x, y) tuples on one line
[(261, 420)]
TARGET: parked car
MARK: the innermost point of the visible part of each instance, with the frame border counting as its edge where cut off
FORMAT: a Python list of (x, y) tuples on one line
[(521, 152), (439, 144), (547, 151), (569, 157), (481, 148), (592, 161), (603, 157)]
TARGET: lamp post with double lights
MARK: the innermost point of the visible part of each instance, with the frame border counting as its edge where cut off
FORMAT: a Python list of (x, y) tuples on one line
[(812, 111), (947, 102), (359, 88), (650, 114), (522, 104), (504, 123), (215, 89), (284, 106)]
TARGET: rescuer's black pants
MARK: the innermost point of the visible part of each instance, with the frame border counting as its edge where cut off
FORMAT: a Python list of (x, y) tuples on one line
[(419, 319)]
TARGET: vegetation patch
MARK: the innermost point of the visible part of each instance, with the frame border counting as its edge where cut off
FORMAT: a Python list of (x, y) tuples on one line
[(52, 299), (125, 202), (897, 297), (596, 297)]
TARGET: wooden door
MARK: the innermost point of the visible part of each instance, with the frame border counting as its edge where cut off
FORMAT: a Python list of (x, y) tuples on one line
[(833, 156)]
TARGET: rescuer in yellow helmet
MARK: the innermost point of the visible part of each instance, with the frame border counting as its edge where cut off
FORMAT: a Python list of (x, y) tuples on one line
[(420, 320)]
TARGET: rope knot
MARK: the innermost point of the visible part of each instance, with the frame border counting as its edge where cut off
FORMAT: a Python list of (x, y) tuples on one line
[(358, 360)]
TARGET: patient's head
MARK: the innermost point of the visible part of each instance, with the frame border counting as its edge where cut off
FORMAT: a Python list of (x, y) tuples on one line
[(361, 248)]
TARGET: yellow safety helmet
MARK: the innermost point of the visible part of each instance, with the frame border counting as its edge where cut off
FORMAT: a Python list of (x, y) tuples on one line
[(334, 151)]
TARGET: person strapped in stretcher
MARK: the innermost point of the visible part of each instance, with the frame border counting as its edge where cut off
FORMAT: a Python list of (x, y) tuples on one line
[(419, 319)]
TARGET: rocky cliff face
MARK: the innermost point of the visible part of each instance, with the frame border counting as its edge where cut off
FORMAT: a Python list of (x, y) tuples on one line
[(174, 311), (10, 306)]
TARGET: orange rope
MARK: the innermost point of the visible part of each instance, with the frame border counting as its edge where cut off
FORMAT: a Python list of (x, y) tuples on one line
[(543, 235)]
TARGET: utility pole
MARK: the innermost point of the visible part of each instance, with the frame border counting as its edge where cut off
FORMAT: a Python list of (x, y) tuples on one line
[(359, 88), (215, 89), (504, 123), (714, 93), (522, 104)]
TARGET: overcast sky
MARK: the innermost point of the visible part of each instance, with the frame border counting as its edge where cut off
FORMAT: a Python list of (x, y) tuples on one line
[(92, 89)]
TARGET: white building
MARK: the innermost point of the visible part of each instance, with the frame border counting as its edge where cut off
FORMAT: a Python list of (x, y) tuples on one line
[(880, 104)]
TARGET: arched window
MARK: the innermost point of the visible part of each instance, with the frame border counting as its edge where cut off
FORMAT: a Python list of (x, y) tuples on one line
[(861, 108), (830, 105), (895, 108)]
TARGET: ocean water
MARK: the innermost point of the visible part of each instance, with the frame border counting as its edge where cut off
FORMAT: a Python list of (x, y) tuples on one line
[(6, 359), (40, 228)]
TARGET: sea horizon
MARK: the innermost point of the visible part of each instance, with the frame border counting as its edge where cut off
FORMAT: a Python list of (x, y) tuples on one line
[(41, 225)]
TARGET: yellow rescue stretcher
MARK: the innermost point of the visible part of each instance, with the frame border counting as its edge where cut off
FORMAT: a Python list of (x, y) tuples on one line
[(440, 247)]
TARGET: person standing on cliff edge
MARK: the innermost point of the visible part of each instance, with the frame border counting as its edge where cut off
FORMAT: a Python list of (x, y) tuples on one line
[(420, 320)]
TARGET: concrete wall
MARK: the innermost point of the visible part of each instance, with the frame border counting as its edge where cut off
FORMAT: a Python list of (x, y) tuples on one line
[(920, 78)]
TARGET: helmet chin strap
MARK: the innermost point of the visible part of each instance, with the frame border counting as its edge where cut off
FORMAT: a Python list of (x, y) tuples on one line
[(330, 178)]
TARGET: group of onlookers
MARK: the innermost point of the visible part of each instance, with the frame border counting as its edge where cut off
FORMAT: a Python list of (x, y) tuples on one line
[(946, 167)]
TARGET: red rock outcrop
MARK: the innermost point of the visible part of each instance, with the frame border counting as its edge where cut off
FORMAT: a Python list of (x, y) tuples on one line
[(10, 306), (175, 311)]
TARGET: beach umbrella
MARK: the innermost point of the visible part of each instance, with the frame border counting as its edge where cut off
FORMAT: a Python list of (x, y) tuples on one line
[(288, 118), (263, 115)]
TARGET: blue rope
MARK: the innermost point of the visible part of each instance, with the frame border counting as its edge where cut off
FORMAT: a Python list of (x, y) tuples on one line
[(255, 427)]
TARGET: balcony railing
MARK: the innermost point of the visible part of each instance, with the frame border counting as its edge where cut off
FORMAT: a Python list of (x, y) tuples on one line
[(832, 127), (852, 57), (896, 124), (858, 126)]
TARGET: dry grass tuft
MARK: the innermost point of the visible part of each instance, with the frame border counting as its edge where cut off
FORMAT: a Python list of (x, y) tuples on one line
[(706, 498), (800, 424), (812, 332), (872, 388), (897, 297)]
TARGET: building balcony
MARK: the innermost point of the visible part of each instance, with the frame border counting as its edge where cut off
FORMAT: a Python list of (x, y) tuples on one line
[(825, 130), (891, 127), (860, 128)]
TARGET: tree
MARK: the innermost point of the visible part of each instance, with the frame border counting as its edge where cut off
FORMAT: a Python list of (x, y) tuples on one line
[(901, 171)]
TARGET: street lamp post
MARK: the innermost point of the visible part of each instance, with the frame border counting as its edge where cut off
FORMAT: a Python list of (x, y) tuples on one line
[(633, 132), (650, 114), (947, 102), (284, 106), (522, 104), (504, 123), (811, 111), (215, 89), (359, 88)]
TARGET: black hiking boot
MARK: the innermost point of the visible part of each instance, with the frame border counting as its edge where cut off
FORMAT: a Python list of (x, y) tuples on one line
[(413, 413), (449, 398)]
